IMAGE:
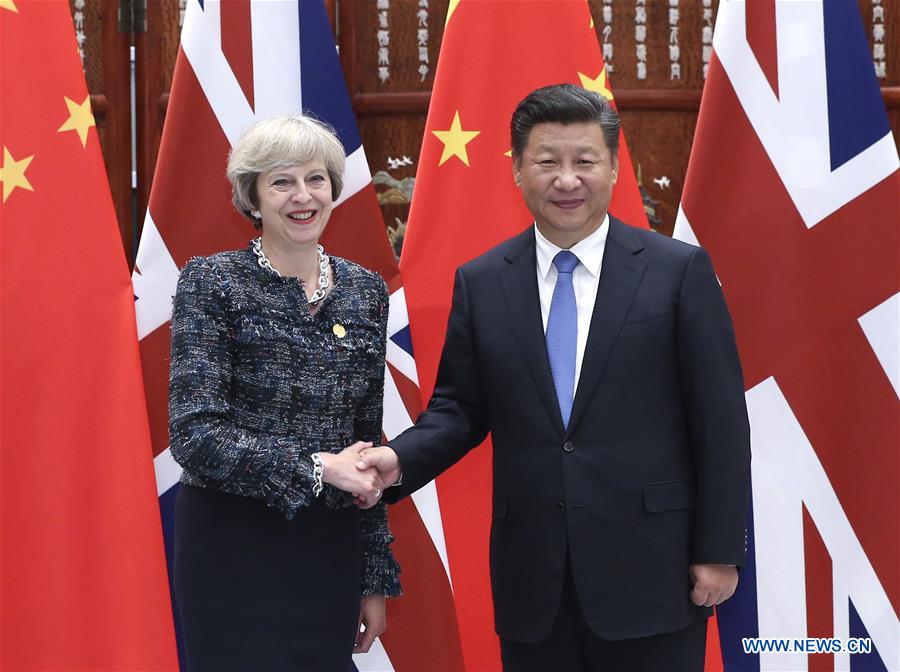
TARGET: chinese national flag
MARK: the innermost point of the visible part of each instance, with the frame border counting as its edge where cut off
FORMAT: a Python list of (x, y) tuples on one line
[(492, 55), (82, 572)]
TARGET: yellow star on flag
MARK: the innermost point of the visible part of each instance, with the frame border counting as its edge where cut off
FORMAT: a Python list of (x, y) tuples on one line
[(597, 85), (10, 5), (455, 141), (12, 173), (80, 118)]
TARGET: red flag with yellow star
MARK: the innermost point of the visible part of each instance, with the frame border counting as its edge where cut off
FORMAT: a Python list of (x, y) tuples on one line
[(82, 572), (493, 54)]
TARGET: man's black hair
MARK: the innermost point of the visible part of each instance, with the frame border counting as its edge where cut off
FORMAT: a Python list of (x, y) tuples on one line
[(563, 104)]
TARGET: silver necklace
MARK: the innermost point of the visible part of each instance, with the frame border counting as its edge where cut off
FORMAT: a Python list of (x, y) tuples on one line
[(263, 261)]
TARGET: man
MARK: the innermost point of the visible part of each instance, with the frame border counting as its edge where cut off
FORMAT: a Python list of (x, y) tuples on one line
[(602, 358)]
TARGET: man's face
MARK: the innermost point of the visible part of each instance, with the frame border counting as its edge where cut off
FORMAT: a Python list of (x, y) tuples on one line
[(566, 174)]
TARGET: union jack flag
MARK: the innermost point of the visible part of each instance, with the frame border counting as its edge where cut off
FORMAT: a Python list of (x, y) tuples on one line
[(241, 61), (792, 185)]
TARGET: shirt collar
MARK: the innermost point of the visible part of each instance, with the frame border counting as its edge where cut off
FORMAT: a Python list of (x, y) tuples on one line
[(589, 250)]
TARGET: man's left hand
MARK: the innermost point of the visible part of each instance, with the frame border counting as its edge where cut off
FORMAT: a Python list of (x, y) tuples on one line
[(713, 584)]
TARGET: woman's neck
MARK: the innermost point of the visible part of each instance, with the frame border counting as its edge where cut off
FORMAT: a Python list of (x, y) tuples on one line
[(297, 262)]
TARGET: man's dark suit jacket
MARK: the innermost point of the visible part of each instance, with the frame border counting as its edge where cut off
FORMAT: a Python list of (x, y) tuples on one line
[(652, 473)]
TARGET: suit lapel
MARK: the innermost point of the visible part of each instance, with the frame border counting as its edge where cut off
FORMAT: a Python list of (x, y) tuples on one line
[(620, 277), (523, 305)]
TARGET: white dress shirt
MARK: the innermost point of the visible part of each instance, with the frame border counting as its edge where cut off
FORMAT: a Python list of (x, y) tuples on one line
[(585, 279)]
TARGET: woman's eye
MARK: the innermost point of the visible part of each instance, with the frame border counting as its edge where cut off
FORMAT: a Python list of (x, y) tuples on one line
[(280, 183), (317, 179)]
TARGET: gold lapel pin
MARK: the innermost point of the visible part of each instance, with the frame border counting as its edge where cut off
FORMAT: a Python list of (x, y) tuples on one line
[(339, 330)]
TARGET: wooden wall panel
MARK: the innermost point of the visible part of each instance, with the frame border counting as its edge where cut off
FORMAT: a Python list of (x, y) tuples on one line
[(392, 111), (891, 83), (659, 112), (156, 51), (107, 69), (623, 64), (360, 23), (660, 144), (393, 136)]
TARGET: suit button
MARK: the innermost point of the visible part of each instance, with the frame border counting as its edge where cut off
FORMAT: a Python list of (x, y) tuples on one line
[(561, 505), (568, 446)]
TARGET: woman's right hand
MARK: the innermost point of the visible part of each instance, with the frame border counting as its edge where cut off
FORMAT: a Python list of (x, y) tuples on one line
[(342, 472)]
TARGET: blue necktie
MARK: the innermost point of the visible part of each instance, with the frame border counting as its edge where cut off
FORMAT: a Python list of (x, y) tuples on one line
[(562, 333)]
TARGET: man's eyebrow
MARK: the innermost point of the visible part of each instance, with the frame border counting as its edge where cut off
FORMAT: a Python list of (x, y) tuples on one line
[(581, 149)]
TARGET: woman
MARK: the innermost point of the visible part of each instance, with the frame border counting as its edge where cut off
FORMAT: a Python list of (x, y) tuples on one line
[(277, 367)]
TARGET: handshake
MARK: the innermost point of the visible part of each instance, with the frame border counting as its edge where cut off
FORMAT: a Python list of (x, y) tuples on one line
[(362, 470)]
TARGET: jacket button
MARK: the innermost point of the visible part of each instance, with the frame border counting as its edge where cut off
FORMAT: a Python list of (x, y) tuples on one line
[(561, 505), (568, 446)]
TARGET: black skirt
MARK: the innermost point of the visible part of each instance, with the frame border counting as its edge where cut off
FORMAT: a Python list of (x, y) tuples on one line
[(258, 592)]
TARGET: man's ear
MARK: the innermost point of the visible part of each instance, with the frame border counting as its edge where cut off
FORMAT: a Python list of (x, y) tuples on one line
[(517, 174)]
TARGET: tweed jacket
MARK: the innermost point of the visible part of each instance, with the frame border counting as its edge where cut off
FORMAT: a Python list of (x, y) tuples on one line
[(258, 384)]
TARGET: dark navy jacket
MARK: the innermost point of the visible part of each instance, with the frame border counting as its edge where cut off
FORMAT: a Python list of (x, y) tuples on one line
[(652, 473)]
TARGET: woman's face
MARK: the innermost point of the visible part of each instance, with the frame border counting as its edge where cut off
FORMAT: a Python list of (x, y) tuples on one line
[(295, 203)]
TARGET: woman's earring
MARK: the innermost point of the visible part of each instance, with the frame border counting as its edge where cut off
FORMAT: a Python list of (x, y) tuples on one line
[(256, 214)]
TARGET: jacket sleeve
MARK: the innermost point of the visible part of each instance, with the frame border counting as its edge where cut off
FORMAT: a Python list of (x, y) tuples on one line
[(380, 569), (456, 419), (202, 438), (716, 410)]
